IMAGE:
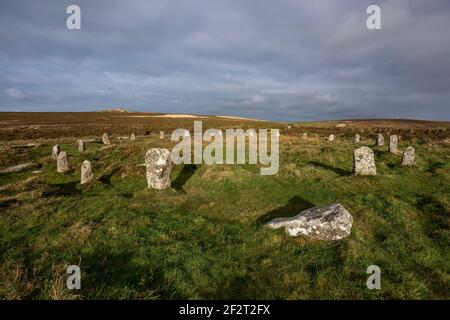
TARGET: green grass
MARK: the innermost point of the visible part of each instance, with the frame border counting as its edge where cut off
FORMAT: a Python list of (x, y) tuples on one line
[(206, 238)]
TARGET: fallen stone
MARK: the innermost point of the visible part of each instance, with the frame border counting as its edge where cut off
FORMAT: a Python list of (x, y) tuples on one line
[(87, 175), (340, 125), (409, 157), (330, 222), (158, 165), (55, 151), (17, 168), (27, 145), (364, 162), (62, 163)]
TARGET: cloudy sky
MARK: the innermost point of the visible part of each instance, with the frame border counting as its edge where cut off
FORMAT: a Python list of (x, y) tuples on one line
[(271, 59)]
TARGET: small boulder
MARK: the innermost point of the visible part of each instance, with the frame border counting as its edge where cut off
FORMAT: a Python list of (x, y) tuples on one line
[(330, 222)]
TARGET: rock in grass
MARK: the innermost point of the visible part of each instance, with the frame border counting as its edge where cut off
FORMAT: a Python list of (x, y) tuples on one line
[(87, 175), (159, 166), (17, 168), (81, 146), (304, 135), (393, 144), (331, 137), (105, 139), (132, 137), (364, 162), (380, 140), (357, 138), (55, 151), (409, 157), (62, 163), (330, 222), (161, 135)]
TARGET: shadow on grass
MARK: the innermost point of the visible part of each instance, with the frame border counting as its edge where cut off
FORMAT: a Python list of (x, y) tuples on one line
[(292, 208), (185, 174), (106, 177), (62, 189), (435, 217), (339, 171)]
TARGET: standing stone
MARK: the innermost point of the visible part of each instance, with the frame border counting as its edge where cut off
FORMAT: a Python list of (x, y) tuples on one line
[(87, 175), (364, 162), (132, 137), (161, 135), (55, 151), (357, 138), (393, 144), (105, 139), (409, 157), (331, 137), (62, 164), (380, 140), (304, 136), (81, 146), (159, 166), (331, 222)]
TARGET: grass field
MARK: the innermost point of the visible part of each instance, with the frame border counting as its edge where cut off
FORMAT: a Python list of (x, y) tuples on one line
[(205, 238)]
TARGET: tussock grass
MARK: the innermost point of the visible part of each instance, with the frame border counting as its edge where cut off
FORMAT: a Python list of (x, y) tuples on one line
[(206, 239)]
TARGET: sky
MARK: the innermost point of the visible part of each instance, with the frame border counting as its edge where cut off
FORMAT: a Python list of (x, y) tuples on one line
[(287, 60)]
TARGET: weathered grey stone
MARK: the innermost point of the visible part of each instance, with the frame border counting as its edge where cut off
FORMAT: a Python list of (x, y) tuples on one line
[(304, 135), (17, 168), (380, 140), (62, 163), (330, 222), (357, 138), (393, 144), (409, 157), (105, 139), (87, 175), (161, 135), (159, 166), (81, 146), (55, 151), (331, 137), (364, 162), (340, 125), (132, 137)]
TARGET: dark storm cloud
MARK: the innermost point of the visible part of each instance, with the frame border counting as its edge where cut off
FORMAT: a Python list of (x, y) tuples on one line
[(280, 60)]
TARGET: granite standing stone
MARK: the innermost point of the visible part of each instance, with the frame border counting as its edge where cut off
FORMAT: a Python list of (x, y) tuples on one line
[(62, 163), (364, 162), (393, 144), (409, 157), (159, 166), (357, 138), (55, 151), (380, 140), (132, 137), (105, 139), (304, 136), (87, 175), (81, 146), (331, 137), (161, 135)]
